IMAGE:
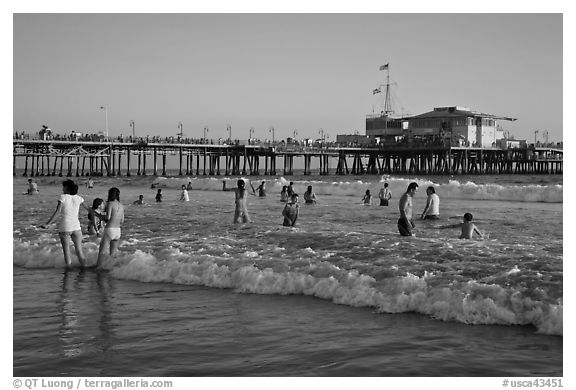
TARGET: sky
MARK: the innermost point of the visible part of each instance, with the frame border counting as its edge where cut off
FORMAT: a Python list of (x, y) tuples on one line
[(302, 72)]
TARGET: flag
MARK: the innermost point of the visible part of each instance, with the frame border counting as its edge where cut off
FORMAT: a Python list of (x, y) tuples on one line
[(384, 67), (377, 90)]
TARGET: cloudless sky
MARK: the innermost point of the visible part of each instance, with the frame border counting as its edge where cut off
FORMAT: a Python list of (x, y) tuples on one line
[(291, 71)]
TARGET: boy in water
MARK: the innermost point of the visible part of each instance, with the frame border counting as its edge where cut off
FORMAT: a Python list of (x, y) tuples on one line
[(32, 187), (140, 200), (385, 195), (241, 211), (468, 228), (291, 211), (159, 195)]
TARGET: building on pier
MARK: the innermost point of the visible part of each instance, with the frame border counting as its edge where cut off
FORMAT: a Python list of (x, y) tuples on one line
[(458, 124)]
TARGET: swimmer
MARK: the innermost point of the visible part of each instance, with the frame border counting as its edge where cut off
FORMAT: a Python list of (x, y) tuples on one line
[(384, 195), (69, 225), (405, 224), (189, 186), (284, 194), (159, 196), (95, 226), (290, 190), (432, 208), (310, 196), (114, 219), (140, 200), (241, 210), (291, 211), (184, 194), (32, 187), (261, 189), (468, 228), (367, 199), (90, 183)]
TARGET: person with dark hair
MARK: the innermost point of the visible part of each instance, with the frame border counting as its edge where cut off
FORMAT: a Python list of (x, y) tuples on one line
[(291, 211), (69, 225), (261, 189), (290, 190), (432, 208), (184, 194), (32, 187), (385, 195), (284, 194), (310, 196), (139, 201), (114, 219), (241, 210), (405, 224), (367, 199), (159, 195), (94, 222), (468, 228)]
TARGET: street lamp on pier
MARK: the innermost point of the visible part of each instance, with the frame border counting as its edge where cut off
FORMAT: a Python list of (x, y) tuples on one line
[(271, 130), (295, 133), (133, 126), (206, 130), (535, 132), (106, 112), (321, 132), (181, 128), (229, 128)]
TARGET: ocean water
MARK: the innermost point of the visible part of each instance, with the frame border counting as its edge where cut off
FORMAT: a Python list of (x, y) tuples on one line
[(341, 294)]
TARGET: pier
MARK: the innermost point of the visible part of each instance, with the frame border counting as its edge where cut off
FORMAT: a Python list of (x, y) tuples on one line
[(87, 158)]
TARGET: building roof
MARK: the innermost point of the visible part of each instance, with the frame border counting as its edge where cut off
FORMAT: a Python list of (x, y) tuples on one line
[(457, 112)]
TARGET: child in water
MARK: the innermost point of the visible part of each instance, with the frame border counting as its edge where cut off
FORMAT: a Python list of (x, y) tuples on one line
[(140, 200), (159, 195), (291, 211), (184, 194), (241, 211), (367, 199), (94, 222), (284, 194), (468, 228)]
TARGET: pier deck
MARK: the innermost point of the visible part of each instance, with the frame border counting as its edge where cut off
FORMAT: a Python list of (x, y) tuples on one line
[(84, 158)]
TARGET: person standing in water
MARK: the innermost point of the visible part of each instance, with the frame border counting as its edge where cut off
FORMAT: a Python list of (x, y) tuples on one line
[(262, 189), (367, 199), (310, 196), (189, 186), (405, 224), (284, 195), (114, 219), (432, 208), (184, 194), (90, 183), (291, 211), (94, 223), (290, 190), (385, 195), (159, 195), (241, 210), (69, 225)]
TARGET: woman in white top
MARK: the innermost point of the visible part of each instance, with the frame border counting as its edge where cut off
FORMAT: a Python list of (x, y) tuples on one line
[(69, 225), (184, 194)]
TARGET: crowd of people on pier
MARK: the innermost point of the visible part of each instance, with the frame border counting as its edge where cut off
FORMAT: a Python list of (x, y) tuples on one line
[(105, 218)]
